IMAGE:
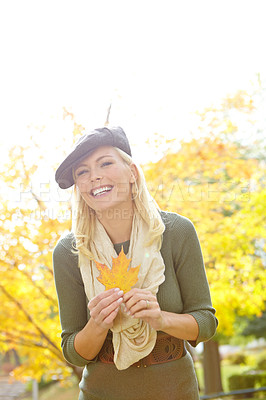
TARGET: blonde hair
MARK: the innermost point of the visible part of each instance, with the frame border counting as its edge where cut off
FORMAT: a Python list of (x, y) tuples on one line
[(83, 217)]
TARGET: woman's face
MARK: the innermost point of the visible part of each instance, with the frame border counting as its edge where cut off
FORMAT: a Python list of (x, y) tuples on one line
[(104, 180)]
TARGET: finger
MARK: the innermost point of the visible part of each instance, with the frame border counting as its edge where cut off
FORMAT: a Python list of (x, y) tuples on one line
[(109, 319), (141, 298), (102, 311), (106, 311), (144, 312), (136, 296), (135, 291), (105, 298), (107, 322), (142, 305), (95, 300), (113, 300)]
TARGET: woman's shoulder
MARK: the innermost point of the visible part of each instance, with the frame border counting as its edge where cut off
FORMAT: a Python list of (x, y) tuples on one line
[(179, 231), (174, 221), (65, 245)]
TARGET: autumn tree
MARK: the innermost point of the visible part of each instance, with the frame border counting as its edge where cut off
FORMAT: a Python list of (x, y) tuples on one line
[(30, 226), (214, 180)]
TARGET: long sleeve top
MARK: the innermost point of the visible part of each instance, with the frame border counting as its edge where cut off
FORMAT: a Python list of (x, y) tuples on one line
[(185, 290)]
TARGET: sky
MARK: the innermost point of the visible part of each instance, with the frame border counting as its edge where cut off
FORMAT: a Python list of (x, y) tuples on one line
[(157, 62)]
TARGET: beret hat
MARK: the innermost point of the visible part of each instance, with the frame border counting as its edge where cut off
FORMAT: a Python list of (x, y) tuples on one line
[(85, 145)]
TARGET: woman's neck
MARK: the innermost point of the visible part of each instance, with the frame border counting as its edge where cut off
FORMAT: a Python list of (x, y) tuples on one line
[(117, 223)]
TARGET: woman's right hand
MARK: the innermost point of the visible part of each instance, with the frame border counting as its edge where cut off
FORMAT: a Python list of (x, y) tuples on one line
[(104, 307)]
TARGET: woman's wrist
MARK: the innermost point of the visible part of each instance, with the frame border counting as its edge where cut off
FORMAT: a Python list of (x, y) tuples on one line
[(182, 326), (97, 329), (164, 321), (89, 340)]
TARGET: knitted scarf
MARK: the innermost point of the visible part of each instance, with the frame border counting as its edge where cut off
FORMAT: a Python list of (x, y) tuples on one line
[(133, 338)]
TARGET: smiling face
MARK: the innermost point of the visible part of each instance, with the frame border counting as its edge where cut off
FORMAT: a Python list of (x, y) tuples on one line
[(104, 180)]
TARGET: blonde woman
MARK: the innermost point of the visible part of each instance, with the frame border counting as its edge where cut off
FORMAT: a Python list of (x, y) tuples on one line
[(131, 344)]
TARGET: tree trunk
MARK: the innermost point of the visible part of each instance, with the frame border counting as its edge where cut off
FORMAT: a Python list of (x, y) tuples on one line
[(16, 358), (212, 368)]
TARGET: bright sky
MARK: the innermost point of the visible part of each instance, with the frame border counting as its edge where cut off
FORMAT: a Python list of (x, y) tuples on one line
[(156, 61)]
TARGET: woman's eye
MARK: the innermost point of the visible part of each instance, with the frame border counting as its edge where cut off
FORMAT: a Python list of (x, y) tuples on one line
[(82, 172), (106, 163)]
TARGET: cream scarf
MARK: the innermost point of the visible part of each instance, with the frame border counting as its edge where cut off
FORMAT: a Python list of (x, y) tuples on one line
[(133, 338)]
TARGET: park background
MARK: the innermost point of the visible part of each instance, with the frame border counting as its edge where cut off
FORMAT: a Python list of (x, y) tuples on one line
[(187, 82)]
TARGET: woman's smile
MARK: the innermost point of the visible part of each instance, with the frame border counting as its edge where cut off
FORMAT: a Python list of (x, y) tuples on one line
[(101, 191)]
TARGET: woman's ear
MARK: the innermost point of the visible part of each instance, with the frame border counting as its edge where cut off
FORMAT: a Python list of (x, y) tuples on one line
[(134, 173)]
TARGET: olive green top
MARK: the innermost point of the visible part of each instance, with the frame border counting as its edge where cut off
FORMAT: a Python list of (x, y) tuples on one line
[(185, 290)]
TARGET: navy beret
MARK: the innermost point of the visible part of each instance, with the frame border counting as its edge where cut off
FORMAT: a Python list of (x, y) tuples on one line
[(85, 145)]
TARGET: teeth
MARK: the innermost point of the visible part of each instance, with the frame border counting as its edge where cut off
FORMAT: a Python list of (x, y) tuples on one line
[(101, 190)]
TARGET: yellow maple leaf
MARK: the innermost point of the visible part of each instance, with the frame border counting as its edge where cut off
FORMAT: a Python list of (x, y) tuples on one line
[(119, 276)]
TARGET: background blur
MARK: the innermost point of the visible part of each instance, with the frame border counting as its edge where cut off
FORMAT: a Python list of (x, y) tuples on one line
[(187, 82)]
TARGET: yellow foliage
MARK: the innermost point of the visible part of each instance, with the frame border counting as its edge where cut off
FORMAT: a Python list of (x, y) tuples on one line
[(209, 181), (29, 309)]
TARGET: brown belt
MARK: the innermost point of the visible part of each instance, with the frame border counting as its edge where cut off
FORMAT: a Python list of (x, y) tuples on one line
[(167, 348)]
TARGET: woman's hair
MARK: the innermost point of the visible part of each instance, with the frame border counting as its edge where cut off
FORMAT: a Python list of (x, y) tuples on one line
[(83, 217)]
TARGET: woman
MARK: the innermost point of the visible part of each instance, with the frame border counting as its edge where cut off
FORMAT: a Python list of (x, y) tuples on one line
[(131, 344)]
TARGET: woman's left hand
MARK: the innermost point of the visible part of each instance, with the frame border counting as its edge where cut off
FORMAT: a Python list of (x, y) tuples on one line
[(141, 303)]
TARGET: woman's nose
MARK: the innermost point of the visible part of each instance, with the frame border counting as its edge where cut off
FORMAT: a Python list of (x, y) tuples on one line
[(95, 176)]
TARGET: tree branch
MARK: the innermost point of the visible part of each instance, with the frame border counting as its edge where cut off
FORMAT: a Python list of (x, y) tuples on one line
[(30, 319), (108, 115)]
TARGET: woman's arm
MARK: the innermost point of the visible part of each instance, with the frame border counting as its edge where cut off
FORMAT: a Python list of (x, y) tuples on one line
[(144, 305), (192, 279), (71, 296), (103, 310)]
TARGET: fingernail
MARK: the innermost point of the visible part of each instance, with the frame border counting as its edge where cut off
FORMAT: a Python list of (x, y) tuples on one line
[(116, 289), (120, 293), (119, 300)]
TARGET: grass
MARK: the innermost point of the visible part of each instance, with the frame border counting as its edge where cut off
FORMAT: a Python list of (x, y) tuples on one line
[(226, 371)]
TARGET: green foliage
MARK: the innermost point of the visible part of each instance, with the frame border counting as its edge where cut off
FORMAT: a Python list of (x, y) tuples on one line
[(247, 380), (256, 326), (241, 381), (262, 363), (237, 359)]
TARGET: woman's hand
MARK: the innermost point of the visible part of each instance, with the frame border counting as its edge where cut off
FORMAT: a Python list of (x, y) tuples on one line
[(104, 308), (140, 303)]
